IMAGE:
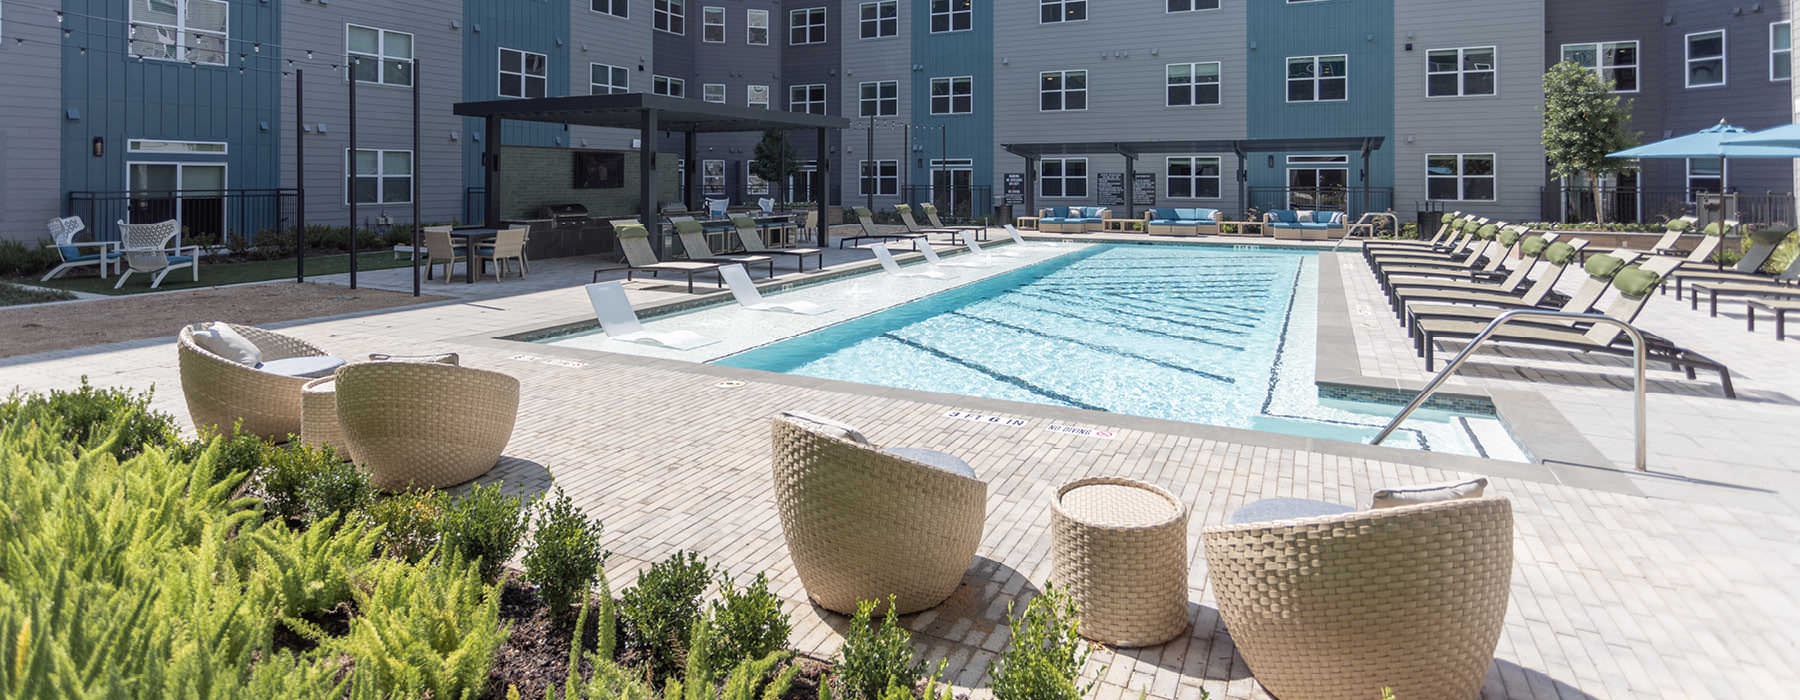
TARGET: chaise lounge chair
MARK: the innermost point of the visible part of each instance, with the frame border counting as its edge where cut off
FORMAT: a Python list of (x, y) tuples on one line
[(105, 254), (751, 240), (886, 258), (869, 232), (1748, 268), (932, 258), (621, 323), (635, 241), (1556, 259), (931, 217), (749, 297), (912, 225), (1600, 269), (693, 240), (1779, 286)]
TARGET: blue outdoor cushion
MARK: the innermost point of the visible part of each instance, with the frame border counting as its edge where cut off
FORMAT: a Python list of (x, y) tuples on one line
[(1161, 213), (71, 253), (1311, 227), (1326, 217), (1052, 220), (1285, 216), (87, 256), (1190, 222), (179, 259), (1059, 212)]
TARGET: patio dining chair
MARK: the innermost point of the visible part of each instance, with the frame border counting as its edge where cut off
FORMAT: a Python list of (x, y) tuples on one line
[(440, 248), (508, 244), (104, 254), (147, 248)]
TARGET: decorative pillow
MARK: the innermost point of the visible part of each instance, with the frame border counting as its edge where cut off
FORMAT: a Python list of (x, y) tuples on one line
[(304, 366), (1560, 253), (1602, 267), (1634, 282), (632, 231), (1208, 214), (1285, 216), (1059, 212), (219, 339), (1429, 493), (1487, 231), (1508, 237), (1303, 216), (1678, 225), (827, 426), (447, 358), (1447, 218), (1534, 246)]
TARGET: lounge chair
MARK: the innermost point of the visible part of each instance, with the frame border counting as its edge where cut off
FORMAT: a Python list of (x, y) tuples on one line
[(751, 239), (413, 425), (893, 268), (1492, 259), (693, 240), (749, 297), (1556, 258), (931, 217), (105, 254), (931, 257), (246, 376), (1779, 307), (1531, 250), (635, 241), (147, 248), (620, 323), (976, 250), (912, 225), (1491, 250), (1449, 224), (1461, 243), (869, 232), (1778, 286), (1748, 268), (717, 207), (766, 204), (1672, 233), (1600, 269)]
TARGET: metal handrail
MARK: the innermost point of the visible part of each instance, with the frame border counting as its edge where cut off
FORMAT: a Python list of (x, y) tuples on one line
[(1638, 353), (1350, 232)]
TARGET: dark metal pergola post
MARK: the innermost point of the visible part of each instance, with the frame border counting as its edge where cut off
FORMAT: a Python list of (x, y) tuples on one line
[(1031, 186), (690, 174), (300, 175), (824, 191), (355, 176), (417, 215), (490, 196), (647, 177), (1130, 184)]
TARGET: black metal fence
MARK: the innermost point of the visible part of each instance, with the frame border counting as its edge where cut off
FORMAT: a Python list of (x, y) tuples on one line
[(232, 218), (1353, 201), (958, 203), (1634, 205)]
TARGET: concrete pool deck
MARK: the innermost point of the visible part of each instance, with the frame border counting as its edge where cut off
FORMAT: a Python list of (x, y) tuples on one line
[(1679, 584)]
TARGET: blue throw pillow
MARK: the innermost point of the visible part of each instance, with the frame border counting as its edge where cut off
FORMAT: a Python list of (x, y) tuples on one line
[(1059, 212), (1285, 216)]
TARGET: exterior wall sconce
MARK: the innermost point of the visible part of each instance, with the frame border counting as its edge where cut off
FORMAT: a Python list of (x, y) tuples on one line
[(99, 146)]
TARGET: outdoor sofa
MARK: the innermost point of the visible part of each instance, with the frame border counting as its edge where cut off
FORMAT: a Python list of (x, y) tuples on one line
[(1305, 224), (1073, 219), (1167, 221)]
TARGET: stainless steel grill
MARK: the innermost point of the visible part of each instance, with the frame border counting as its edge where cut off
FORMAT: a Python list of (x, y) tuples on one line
[(566, 216)]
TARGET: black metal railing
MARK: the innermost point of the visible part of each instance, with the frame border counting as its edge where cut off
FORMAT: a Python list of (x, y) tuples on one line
[(231, 218), (1353, 201), (959, 204), (1636, 205), (474, 207)]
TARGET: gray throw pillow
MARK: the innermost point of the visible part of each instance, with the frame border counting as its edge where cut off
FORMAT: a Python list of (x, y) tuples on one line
[(1429, 493)]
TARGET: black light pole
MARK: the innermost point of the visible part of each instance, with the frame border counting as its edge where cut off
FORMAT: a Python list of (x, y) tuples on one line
[(870, 172), (417, 220), (300, 176), (355, 177)]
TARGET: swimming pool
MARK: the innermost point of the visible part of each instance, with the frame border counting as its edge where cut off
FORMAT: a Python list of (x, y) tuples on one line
[(1212, 335)]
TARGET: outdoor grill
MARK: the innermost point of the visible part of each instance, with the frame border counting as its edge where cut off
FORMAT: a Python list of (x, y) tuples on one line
[(566, 216), (562, 230)]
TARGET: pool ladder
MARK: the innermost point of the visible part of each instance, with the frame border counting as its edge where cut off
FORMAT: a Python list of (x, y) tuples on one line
[(1637, 361), (1367, 219)]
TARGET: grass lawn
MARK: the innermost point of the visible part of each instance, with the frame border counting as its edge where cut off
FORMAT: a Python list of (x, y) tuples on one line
[(14, 295), (231, 273)]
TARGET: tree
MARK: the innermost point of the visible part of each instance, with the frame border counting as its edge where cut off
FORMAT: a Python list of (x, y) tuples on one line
[(1583, 121), (773, 159)]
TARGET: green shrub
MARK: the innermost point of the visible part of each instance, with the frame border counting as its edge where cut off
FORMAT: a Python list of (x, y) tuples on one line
[(565, 555), (660, 612), (409, 523), (424, 630), (483, 526), (18, 259), (746, 623), (301, 483), (1043, 661), (873, 658), (308, 572), (118, 421)]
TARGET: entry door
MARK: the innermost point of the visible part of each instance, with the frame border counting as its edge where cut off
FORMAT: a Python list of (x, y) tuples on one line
[(1317, 188), (952, 188), (802, 183), (192, 193)]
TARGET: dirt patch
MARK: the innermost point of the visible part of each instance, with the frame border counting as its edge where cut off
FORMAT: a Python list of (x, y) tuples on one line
[(81, 324)]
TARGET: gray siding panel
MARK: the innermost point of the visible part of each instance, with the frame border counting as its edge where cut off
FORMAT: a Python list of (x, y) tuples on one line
[(30, 124), (617, 41), (882, 59)]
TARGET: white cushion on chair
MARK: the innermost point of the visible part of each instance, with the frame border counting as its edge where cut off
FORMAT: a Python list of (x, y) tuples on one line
[(827, 426), (219, 339), (307, 366), (1429, 493)]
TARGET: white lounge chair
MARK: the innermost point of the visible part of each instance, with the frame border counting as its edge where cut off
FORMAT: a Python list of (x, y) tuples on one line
[(622, 324), (1018, 239), (976, 250), (146, 249), (767, 204), (886, 259), (931, 256), (749, 297), (62, 235)]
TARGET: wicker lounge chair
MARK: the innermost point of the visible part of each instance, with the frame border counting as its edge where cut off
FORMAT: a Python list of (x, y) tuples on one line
[(1411, 598), (221, 392), (634, 239), (147, 248), (422, 424), (869, 232), (751, 240), (105, 254), (863, 523)]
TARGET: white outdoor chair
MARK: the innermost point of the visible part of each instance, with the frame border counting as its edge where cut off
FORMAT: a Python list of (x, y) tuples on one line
[(147, 248), (931, 257), (717, 207), (750, 297), (105, 254), (978, 252), (622, 324), (767, 204), (886, 258)]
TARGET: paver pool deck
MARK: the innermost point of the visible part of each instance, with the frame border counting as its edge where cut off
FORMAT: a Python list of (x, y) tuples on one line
[(1680, 584)]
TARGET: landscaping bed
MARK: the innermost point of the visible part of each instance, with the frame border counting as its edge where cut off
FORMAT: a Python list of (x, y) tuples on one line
[(15, 295)]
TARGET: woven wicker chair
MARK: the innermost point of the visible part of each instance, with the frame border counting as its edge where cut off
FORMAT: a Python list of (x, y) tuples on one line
[(424, 425), (862, 524), (221, 392), (1340, 606)]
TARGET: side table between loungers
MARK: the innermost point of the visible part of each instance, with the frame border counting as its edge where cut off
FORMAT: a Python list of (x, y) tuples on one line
[(1120, 548)]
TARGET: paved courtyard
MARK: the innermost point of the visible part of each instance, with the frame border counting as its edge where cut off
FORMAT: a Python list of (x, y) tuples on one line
[(1679, 584)]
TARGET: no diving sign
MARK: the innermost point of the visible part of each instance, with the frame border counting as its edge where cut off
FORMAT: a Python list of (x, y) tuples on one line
[(1102, 433)]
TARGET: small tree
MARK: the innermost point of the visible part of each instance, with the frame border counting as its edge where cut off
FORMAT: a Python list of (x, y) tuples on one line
[(774, 159), (1583, 121)]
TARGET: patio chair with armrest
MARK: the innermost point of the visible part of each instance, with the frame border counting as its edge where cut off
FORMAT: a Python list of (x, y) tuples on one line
[(424, 425), (441, 248), (508, 244), (156, 250), (74, 254)]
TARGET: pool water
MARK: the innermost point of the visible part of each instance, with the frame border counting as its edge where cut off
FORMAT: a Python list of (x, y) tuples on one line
[(1212, 335)]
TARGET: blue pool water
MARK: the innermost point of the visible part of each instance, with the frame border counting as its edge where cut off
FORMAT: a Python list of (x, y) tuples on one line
[(1203, 335)]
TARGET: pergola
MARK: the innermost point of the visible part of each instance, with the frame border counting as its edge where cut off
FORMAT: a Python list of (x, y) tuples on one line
[(648, 114), (1032, 152)]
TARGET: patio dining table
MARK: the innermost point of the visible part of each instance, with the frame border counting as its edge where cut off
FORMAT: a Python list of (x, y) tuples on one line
[(469, 238)]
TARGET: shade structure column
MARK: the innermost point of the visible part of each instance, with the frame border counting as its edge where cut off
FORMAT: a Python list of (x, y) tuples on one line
[(1130, 182), (490, 206), (691, 173), (1031, 187), (647, 177), (824, 191)]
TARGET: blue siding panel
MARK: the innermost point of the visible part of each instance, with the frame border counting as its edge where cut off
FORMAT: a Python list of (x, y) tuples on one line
[(950, 54), (538, 26)]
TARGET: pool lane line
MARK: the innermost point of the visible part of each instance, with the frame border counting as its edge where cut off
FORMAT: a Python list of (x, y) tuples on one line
[(1198, 316), (1474, 439), (996, 375), (1102, 349), (1146, 331)]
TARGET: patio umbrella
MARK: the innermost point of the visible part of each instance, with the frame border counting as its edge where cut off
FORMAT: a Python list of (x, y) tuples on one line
[(1788, 136), (1717, 141)]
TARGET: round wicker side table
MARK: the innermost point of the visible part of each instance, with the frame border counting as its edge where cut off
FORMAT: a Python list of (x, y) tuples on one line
[(318, 416), (1120, 549)]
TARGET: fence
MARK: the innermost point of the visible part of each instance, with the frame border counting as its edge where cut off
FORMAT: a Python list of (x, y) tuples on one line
[(1353, 201), (1633, 205), (233, 218)]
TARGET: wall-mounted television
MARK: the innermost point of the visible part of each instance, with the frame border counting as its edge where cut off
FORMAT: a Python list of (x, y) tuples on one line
[(598, 170)]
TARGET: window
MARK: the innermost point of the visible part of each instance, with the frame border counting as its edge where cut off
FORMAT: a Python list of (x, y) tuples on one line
[(1193, 177), (756, 27), (1781, 51), (951, 15), (1061, 11), (180, 30), (1616, 61), (713, 92), (1193, 84), (1318, 78), (667, 86), (1464, 177), (607, 80), (1318, 182), (882, 178), (712, 25), (671, 16), (615, 8), (1062, 91), (382, 56), (1062, 177), (1459, 72), (807, 98), (382, 177), (878, 99), (953, 95), (1192, 5), (806, 26), (1704, 175), (757, 96), (522, 73), (712, 177), (754, 185), (1706, 59), (879, 19)]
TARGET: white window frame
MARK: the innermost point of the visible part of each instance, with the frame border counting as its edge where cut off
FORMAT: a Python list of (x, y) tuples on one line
[(669, 16), (879, 101), (953, 11), (864, 23), (1192, 6), (754, 20), (1724, 176), (614, 8), (1462, 176), (1316, 79), (1194, 178), (886, 178), (1780, 56), (381, 56), (1063, 91), (179, 42), (524, 74), (1064, 179), (1687, 67), (612, 71), (951, 83), (1194, 83), (1462, 74), (806, 89), (381, 176), (199, 148), (752, 98), (709, 90), (808, 20), (1605, 70), (668, 86), (707, 15), (1062, 11)]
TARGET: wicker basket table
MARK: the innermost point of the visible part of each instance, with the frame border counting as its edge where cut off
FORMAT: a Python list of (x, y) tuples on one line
[(1120, 549), (318, 416)]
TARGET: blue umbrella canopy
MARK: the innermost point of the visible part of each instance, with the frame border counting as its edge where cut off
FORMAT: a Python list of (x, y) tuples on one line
[(1788, 136), (1716, 141)]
